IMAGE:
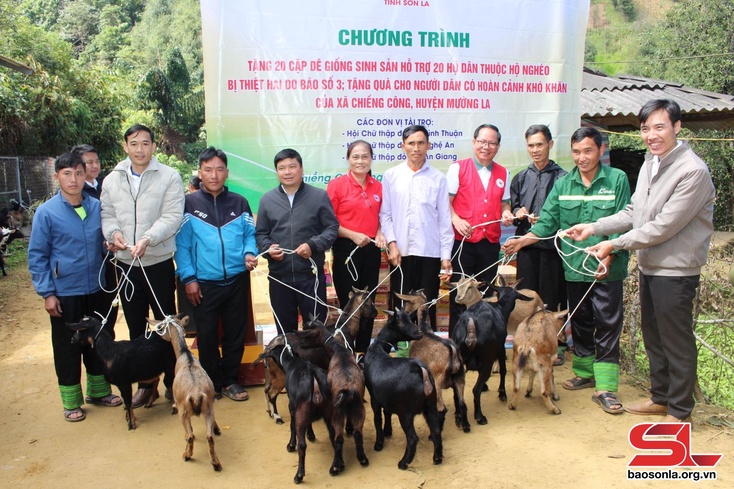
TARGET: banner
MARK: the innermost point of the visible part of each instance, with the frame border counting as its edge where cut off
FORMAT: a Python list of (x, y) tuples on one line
[(316, 75)]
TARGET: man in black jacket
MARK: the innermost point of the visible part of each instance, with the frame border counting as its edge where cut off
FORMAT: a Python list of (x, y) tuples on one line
[(538, 265), (296, 225)]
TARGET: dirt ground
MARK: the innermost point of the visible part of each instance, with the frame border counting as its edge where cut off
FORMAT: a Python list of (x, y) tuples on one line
[(527, 448)]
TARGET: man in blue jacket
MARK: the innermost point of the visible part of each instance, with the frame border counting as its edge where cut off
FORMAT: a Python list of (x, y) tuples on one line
[(215, 251), (64, 259)]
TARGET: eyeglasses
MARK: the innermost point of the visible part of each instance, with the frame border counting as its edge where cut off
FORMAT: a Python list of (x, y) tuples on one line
[(483, 143)]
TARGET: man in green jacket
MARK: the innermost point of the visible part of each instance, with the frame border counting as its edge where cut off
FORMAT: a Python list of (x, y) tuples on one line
[(594, 287)]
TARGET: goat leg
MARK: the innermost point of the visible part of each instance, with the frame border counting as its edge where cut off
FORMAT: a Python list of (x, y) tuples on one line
[(379, 433), (502, 358), (477, 391), (189, 435), (337, 426), (411, 438), (462, 418)]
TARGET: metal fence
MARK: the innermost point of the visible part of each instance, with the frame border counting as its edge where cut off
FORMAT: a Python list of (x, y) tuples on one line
[(26, 179)]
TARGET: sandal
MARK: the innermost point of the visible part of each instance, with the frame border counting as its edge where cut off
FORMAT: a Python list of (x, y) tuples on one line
[(579, 383), (558, 361), (68, 413), (606, 400), (110, 400), (236, 392)]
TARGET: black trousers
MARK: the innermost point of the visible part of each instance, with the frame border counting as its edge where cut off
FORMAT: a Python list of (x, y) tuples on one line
[(474, 257), (228, 302), (667, 329), (366, 263), (418, 272), (542, 271), (162, 281), (287, 303), (66, 355), (597, 323)]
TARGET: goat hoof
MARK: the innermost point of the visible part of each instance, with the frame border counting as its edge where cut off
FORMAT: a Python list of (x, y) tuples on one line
[(556, 397), (467, 429), (217, 467), (298, 479), (556, 411), (290, 448), (482, 420), (336, 470), (528, 395), (217, 431), (186, 458), (364, 462), (278, 420), (378, 447), (402, 465), (503, 397), (511, 407), (437, 460)]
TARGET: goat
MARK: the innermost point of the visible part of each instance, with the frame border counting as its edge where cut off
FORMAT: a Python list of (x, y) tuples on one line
[(309, 399), (535, 348), (346, 382), (125, 362), (7, 236), (480, 335), (523, 309), (193, 390), (442, 357), (402, 386), (360, 301)]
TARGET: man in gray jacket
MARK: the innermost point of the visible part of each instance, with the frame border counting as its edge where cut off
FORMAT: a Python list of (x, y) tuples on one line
[(669, 222), (295, 225), (142, 208)]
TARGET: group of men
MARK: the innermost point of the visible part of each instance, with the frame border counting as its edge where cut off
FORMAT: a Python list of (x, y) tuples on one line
[(435, 226)]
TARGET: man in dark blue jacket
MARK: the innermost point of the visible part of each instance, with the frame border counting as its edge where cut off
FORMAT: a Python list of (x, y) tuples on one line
[(299, 219), (215, 251)]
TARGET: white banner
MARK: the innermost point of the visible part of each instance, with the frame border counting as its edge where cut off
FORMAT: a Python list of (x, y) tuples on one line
[(316, 75)]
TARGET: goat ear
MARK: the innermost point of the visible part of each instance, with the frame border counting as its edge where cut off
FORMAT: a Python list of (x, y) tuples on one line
[(389, 313), (403, 297)]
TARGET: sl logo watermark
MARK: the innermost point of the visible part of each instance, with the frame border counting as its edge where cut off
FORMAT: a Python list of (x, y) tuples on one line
[(668, 447)]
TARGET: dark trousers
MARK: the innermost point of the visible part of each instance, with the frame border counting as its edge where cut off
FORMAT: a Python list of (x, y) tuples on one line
[(287, 303), (66, 355), (474, 257), (542, 271), (418, 272), (667, 329), (365, 262), (162, 281), (111, 280), (228, 302), (597, 323)]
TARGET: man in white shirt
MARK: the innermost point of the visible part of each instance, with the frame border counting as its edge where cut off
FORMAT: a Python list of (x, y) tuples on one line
[(416, 220)]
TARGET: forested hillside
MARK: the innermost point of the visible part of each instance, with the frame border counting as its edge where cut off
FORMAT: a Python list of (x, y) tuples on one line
[(99, 65)]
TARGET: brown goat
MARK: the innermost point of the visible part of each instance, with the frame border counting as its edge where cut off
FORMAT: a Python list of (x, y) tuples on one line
[(535, 348), (359, 300), (193, 390), (442, 358)]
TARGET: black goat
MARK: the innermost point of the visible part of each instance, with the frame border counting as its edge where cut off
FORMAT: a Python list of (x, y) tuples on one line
[(401, 386), (125, 361), (442, 357), (480, 335), (361, 305), (309, 399), (347, 388)]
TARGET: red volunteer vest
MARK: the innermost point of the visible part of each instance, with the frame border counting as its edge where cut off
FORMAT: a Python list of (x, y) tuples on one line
[(476, 205)]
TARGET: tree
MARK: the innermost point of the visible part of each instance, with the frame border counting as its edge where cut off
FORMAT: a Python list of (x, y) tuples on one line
[(693, 45)]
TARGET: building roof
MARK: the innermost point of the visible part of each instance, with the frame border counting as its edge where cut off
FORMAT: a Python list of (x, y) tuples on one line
[(613, 102)]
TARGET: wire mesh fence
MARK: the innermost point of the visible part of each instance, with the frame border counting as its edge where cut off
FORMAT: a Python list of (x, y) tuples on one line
[(713, 314), (25, 182)]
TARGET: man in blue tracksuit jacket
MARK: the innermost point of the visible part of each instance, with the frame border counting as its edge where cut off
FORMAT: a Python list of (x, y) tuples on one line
[(215, 251)]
